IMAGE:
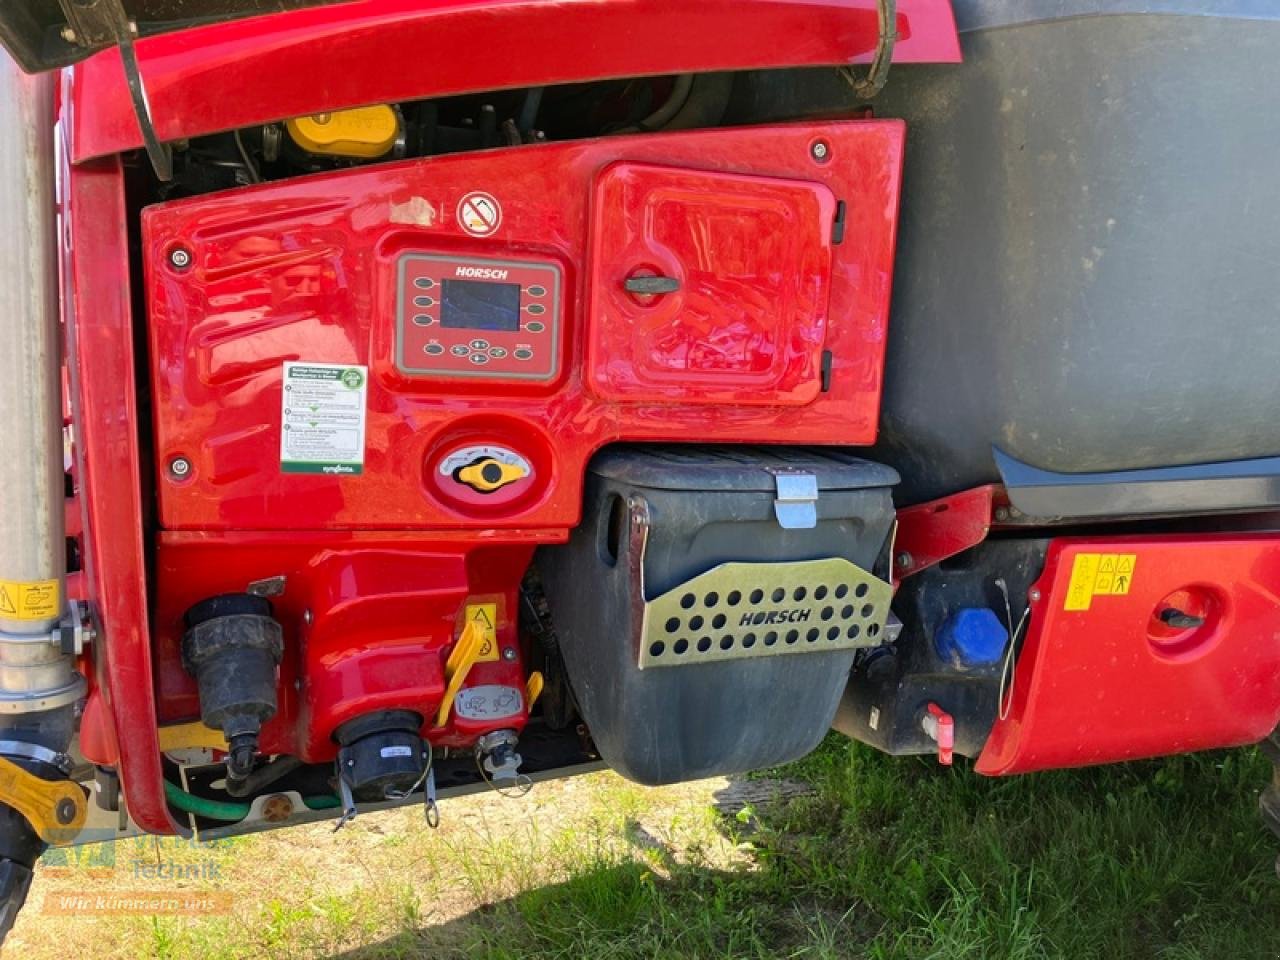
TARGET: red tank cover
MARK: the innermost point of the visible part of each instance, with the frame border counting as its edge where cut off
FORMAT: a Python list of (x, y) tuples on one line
[(1141, 647)]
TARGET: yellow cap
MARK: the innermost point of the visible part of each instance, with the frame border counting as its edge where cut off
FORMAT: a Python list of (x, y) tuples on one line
[(364, 133)]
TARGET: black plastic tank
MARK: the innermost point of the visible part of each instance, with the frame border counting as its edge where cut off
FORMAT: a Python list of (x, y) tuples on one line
[(708, 610)]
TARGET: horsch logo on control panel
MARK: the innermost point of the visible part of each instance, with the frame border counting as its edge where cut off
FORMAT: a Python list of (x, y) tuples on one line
[(481, 273)]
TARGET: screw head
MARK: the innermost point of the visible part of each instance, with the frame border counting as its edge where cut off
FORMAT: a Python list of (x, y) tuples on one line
[(1034, 595), (180, 467), (1002, 514), (307, 617), (65, 811), (180, 258), (820, 151), (508, 653), (904, 559)]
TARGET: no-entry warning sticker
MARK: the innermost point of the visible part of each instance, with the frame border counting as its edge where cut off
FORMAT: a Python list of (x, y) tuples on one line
[(479, 214), (1099, 575), (322, 418)]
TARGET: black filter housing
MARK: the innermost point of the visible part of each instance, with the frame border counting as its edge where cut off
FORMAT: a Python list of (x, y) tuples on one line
[(232, 647), (706, 506)]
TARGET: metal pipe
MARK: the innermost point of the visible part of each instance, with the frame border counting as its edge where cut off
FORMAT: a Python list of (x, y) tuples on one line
[(35, 673)]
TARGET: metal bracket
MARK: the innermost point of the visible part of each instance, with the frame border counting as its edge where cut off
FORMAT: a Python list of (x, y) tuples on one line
[(71, 635), (33, 751), (796, 506)]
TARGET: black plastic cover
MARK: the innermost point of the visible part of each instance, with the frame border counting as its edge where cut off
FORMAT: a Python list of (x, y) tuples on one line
[(706, 507)]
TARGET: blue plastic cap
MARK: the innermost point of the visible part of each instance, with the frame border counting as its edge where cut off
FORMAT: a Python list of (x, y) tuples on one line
[(972, 637)]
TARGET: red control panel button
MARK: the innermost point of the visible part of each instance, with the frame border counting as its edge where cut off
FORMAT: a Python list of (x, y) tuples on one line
[(478, 317)]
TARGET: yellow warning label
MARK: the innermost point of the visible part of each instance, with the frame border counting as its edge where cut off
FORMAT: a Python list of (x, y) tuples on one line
[(1099, 575), (29, 601), (485, 614)]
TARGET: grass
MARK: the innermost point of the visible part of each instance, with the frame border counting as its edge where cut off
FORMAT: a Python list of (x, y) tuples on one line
[(885, 858)]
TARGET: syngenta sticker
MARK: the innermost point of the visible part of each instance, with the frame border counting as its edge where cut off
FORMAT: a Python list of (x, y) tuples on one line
[(322, 418)]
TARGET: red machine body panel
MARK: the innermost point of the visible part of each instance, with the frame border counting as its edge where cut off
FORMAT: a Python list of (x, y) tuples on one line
[(312, 270), (369, 619), (378, 51), (1103, 678)]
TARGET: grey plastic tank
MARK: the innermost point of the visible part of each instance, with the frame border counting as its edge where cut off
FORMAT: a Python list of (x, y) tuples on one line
[(1088, 272)]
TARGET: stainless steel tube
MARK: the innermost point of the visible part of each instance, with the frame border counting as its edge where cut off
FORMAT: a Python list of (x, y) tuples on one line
[(34, 673)]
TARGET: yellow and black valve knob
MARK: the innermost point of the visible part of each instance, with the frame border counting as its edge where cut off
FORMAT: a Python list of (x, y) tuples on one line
[(488, 474)]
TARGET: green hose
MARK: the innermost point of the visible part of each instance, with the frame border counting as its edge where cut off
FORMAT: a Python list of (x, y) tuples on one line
[(230, 812), (213, 809), (326, 802)]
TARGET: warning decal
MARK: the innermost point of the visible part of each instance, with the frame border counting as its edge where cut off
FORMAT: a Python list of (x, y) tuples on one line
[(30, 601), (479, 214), (486, 615), (1099, 575), (322, 418)]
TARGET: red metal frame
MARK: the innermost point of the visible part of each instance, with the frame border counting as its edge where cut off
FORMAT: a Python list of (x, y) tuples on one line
[(1114, 682), (101, 361), (291, 64), (389, 50)]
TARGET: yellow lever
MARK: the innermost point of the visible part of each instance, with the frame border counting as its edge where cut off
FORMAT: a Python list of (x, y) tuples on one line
[(488, 475), (464, 656), (56, 809), (532, 689)]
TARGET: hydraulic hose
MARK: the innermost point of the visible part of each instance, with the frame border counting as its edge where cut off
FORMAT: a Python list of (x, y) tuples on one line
[(231, 812)]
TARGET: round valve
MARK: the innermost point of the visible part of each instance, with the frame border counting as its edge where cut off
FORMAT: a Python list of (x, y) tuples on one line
[(487, 474)]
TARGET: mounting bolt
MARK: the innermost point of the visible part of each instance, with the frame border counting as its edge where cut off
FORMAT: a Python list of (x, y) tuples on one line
[(180, 468), (820, 151), (508, 653), (1002, 514), (65, 810), (904, 559), (180, 258), (1034, 595), (68, 34)]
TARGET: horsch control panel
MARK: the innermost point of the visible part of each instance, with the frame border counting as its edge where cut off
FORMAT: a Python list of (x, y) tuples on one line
[(477, 317)]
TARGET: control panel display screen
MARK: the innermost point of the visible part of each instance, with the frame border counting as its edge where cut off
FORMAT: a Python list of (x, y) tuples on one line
[(480, 305)]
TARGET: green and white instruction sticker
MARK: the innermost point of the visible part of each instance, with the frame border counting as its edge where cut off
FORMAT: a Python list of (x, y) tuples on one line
[(322, 418)]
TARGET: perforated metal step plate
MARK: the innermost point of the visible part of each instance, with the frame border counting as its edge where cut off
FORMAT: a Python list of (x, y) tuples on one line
[(740, 610)]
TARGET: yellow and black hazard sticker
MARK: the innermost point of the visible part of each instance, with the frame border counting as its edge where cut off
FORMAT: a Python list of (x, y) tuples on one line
[(40, 600), (486, 615), (1099, 575)]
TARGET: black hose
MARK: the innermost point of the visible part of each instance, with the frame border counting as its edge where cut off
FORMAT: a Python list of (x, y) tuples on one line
[(263, 777)]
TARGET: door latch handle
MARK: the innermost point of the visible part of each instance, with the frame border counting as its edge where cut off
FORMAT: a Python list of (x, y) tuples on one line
[(651, 286), (1179, 620)]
